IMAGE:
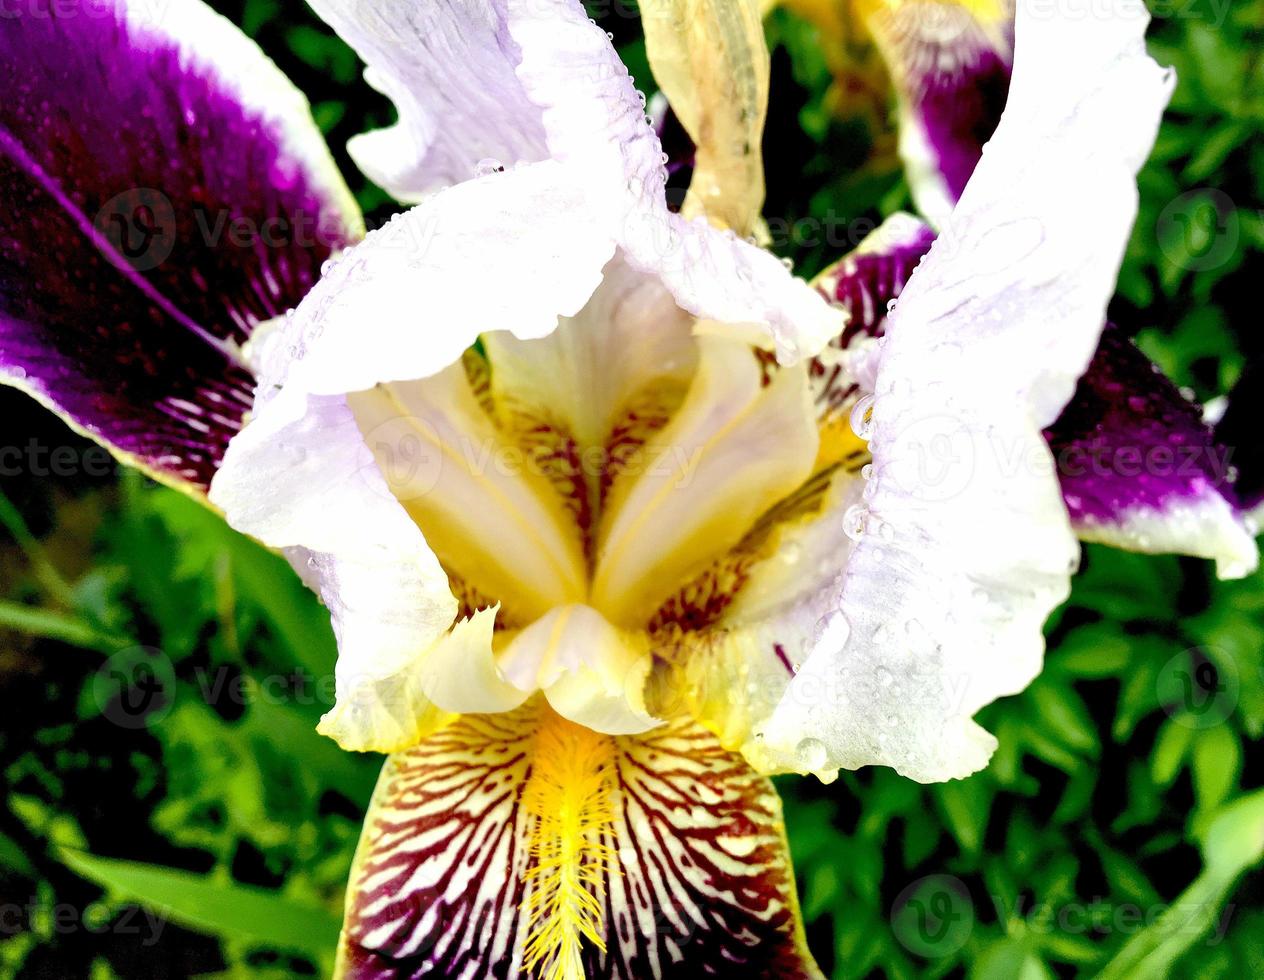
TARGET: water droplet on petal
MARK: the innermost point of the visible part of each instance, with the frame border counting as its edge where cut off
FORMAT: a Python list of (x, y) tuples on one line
[(812, 754), (862, 417), (854, 522), (488, 165)]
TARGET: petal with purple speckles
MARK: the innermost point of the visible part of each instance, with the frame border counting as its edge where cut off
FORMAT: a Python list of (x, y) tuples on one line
[(1140, 468), (165, 190)]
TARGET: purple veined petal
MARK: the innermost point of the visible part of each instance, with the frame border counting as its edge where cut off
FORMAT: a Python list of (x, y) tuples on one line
[(1140, 468), (951, 64), (165, 190), (866, 281)]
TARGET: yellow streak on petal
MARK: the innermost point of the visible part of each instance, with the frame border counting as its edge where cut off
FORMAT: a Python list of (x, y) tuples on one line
[(711, 60), (568, 799)]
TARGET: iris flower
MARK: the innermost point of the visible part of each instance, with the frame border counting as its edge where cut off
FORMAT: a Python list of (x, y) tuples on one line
[(614, 516)]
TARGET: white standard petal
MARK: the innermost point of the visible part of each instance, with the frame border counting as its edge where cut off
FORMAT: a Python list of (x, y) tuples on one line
[(560, 93), (942, 611), (449, 68)]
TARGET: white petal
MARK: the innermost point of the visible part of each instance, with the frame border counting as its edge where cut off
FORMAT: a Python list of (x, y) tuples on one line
[(448, 66), (460, 673), (569, 99), (943, 611)]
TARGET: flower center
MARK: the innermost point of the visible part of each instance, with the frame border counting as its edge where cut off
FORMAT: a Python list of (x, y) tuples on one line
[(600, 483)]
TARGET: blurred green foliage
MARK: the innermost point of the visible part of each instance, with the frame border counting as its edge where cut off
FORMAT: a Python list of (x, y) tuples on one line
[(196, 824)]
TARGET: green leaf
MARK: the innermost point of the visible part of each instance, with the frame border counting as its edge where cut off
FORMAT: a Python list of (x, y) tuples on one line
[(1216, 761), (966, 803), (12, 856), (212, 906), (1169, 750), (54, 625)]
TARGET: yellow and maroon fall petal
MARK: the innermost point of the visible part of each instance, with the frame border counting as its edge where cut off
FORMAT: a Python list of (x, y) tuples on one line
[(524, 845), (165, 190)]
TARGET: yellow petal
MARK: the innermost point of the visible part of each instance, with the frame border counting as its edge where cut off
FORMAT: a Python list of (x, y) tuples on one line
[(733, 449), (484, 510), (591, 672)]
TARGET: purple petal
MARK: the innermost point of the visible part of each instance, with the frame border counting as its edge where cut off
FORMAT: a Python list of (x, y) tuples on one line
[(1140, 468), (868, 279), (152, 217), (951, 66)]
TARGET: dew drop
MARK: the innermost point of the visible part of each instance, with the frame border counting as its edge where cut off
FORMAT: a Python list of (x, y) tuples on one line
[(487, 166), (812, 754), (862, 417), (854, 522)]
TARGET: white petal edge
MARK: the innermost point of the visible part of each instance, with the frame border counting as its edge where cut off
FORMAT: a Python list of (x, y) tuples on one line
[(1205, 526)]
